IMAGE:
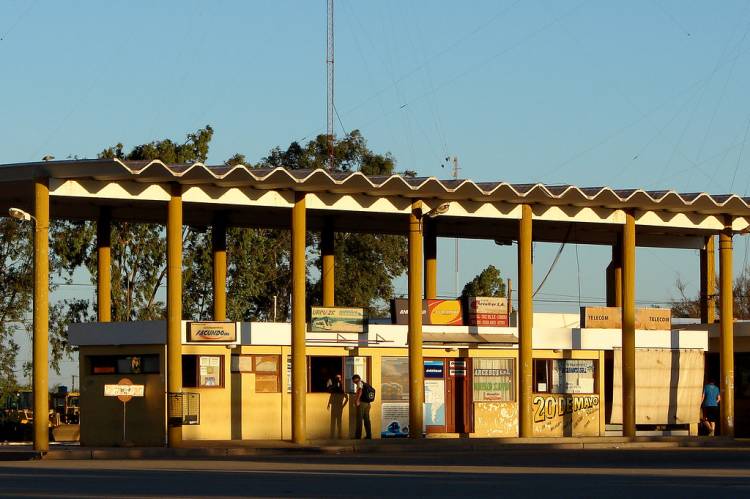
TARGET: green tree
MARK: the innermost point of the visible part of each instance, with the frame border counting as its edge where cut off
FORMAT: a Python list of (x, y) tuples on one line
[(366, 264), (15, 295), (488, 282)]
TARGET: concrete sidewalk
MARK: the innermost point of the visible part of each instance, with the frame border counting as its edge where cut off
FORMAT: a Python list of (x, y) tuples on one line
[(222, 449)]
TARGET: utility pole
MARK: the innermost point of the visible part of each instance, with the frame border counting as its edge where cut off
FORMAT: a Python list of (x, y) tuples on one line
[(454, 173), (329, 85)]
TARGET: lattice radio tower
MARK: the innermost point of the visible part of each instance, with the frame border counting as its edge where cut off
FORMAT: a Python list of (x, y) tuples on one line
[(329, 85)]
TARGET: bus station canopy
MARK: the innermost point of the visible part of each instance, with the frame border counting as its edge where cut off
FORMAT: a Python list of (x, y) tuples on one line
[(137, 191)]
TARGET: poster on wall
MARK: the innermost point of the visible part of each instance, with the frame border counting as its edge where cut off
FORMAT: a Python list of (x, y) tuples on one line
[(572, 376), (434, 402), (493, 380), (394, 378), (394, 420), (487, 311), (338, 320), (434, 312)]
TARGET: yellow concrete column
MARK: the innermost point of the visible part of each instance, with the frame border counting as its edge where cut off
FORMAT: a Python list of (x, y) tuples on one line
[(219, 250), (430, 260), (628, 326), (416, 362), (525, 324), (40, 355), (708, 281), (103, 264), (328, 256), (174, 303), (299, 357), (726, 339)]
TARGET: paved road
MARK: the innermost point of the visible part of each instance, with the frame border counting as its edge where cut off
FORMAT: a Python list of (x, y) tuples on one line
[(639, 474)]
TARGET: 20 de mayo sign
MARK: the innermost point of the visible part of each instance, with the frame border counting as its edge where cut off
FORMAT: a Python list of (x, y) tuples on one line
[(566, 415)]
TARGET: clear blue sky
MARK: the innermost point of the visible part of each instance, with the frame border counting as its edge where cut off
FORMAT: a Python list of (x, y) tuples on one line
[(648, 94)]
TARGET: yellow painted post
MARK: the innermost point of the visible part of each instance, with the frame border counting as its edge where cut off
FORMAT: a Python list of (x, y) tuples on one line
[(40, 355), (726, 349), (430, 260), (103, 265), (174, 303), (416, 363), (219, 250), (299, 357), (525, 324), (628, 326), (708, 281), (329, 263)]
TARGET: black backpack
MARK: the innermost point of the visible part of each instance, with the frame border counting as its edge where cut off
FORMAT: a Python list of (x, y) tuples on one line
[(368, 393)]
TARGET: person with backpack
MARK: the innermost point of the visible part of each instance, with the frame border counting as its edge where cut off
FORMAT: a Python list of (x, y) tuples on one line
[(362, 398)]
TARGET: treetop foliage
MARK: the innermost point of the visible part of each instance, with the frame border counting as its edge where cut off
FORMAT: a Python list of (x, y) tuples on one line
[(488, 282)]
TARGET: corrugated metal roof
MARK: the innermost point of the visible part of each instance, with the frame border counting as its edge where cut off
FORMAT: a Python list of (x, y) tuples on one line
[(395, 185)]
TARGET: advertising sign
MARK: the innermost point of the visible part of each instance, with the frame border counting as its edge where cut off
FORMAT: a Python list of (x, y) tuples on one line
[(434, 312), (653, 318), (212, 332), (434, 402), (395, 419), (493, 380), (487, 311), (124, 390), (611, 318), (601, 317), (338, 320), (434, 369)]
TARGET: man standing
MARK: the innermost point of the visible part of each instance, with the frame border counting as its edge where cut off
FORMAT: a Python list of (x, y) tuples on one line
[(710, 401), (363, 409)]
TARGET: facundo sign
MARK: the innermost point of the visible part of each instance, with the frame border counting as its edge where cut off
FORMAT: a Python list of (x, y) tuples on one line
[(487, 311), (212, 332), (124, 390)]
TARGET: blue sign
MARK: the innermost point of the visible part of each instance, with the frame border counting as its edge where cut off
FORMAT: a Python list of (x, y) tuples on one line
[(434, 369)]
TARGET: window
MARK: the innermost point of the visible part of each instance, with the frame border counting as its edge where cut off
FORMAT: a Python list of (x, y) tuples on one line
[(130, 364), (494, 380), (265, 367), (564, 376), (203, 371), (324, 373)]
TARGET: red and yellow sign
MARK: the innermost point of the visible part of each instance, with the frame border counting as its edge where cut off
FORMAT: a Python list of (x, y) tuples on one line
[(434, 312)]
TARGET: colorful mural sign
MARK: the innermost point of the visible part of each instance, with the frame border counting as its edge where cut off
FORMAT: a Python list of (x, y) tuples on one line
[(338, 320)]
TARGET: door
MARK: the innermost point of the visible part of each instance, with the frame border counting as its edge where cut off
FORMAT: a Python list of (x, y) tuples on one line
[(458, 396)]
